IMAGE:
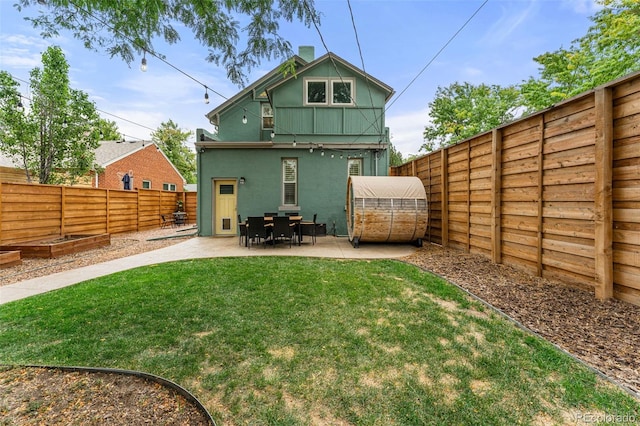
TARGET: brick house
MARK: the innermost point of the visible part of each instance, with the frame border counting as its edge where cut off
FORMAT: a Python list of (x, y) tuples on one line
[(146, 165)]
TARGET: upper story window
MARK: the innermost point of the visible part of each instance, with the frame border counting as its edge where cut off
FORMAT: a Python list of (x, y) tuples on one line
[(342, 92), (267, 116), (168, 186), (329, 91), (316, 92), (146, 184)]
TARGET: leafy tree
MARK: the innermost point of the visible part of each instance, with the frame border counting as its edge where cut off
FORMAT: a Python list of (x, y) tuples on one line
[(108, 130), (609, 50), (171, 141), (58, 134), (127, 28), (462, 110), (395, 156)]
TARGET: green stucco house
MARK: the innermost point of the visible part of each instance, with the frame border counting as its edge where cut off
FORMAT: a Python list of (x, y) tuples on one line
[(288, 143)]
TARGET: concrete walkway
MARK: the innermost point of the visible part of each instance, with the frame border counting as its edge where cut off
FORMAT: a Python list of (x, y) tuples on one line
[(204, 247)]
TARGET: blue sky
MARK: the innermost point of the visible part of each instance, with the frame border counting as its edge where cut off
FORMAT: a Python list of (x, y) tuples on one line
[(398, 39)]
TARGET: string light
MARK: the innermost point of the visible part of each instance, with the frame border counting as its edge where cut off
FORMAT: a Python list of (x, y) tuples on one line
[(143, 64), (294, 142), (206, 95), (244, 117)]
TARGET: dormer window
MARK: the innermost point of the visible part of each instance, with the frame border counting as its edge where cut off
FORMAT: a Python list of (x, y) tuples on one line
[(329, 91)]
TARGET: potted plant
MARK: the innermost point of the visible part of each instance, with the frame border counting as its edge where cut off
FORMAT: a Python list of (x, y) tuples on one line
[(179, 205)]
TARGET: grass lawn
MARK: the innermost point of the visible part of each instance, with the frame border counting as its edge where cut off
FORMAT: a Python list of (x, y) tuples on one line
[(293, 341)]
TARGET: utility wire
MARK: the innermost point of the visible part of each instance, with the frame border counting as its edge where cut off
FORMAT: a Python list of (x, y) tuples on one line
[(438, 53), (97, 109), (366, 76), (335, 66), (430, 61)]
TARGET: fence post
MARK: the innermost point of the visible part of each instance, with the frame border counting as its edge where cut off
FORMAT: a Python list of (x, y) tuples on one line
[(603, 194), (444, 182), (496, 196), (62, 213), (540, 235)]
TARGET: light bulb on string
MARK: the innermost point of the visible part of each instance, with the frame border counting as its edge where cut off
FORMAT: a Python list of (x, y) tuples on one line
[(294, 142), (206, 95), (143, 63), (244, 117)]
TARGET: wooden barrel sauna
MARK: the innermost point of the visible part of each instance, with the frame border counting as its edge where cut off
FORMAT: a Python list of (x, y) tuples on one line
[(386, 209)]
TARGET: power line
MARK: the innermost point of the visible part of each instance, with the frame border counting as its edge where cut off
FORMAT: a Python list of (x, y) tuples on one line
[(430, 61), (371, 124), (97, 109), (438, 53)]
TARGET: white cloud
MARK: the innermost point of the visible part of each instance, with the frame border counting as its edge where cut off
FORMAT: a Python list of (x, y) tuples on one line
[(406, 130), (20, 51), (583, 7), (510, 20)]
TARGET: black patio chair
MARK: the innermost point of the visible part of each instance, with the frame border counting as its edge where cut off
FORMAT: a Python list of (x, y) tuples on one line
[(256, 230), (167, 222), (309, 228), (283, 229)]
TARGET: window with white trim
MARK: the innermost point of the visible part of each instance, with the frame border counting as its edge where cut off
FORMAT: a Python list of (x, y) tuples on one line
[(329, 91), (267, 115), (316, 92), (342, 92), (289, 181), (168, 186), (146, 184), (354, 167)]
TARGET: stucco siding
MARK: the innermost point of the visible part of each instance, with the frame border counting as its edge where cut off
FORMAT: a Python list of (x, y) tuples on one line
[(322, 182)]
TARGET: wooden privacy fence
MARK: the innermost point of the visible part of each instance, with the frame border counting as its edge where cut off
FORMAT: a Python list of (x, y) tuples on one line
[(30, 212), (556, 193)]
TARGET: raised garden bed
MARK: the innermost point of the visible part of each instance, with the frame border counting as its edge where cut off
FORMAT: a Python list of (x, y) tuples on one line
[(61, 246), (10, 258)]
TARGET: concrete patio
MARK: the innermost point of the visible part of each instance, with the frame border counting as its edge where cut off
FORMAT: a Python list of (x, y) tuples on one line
[(204, 247)]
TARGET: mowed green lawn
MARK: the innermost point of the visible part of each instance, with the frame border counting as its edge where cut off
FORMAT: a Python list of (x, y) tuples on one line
[(294, 341)]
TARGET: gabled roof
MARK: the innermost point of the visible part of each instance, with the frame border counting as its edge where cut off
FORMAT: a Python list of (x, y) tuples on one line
[(111, 151), (335, 58), (213, 114)]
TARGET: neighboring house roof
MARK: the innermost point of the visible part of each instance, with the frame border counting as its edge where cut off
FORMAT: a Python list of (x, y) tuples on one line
[(335, 58), (111, 151), (213, 115)]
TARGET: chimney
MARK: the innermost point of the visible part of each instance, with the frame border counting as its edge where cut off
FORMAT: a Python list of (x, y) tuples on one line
[(307, 53)]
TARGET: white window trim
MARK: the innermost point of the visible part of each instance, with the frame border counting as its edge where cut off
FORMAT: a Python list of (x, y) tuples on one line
[(360, 167), (306, 91), (146, 181), (329, 91), (352, 95), (284, 204), (169, 187), (262, 116)]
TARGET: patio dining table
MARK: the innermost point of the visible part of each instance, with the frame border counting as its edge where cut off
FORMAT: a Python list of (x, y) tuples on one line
[(180, 218), (269, 223)]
